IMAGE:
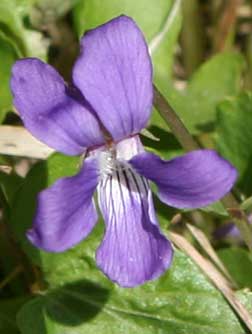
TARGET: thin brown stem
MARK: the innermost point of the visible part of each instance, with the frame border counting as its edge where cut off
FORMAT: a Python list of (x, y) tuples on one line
[(225, 25), (174, 122), (11, 276)]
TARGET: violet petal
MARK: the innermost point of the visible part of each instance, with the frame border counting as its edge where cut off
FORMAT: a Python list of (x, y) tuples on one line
[(133, 249), (49, 111), (227, 230), (230, 231), (114, 73), (65, 212), (194, 180)]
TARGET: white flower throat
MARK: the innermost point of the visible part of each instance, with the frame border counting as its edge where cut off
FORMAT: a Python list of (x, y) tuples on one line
[(114, 156), (119, 183), (109, 164)]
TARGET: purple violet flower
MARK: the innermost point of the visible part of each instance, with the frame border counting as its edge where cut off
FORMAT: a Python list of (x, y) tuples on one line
[(102, 116), (229, 231)]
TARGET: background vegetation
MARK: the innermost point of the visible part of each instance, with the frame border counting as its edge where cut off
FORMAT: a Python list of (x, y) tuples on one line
[(202, 58)]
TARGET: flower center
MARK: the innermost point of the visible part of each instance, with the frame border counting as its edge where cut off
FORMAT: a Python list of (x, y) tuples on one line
[(113, 157), (109, 164)]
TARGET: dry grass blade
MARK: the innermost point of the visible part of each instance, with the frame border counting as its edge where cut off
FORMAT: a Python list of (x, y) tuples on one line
[(11, 276), (16, 140), (206, 245), (5, 169), (221, 283), (226, 24)]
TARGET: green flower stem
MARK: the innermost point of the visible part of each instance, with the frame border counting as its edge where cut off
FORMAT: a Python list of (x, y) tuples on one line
[(248, 74), (239, 217), (247, 204), (11, 276), (192, 36), (189, 144)]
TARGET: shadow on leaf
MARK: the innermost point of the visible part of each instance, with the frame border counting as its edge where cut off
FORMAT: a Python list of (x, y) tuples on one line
[(206, 127), (166, 145), (76, 303), (69, 306), (245, 183)]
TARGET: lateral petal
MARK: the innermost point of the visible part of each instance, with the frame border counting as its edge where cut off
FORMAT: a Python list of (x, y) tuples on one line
[(193, 180), (65, 212), (52, 112)]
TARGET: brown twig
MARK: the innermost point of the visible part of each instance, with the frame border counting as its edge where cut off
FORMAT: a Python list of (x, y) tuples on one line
[(11, 276), (208, 248), (225, 25), (221, 283), (6, 169), (175, 124), (16, 140)]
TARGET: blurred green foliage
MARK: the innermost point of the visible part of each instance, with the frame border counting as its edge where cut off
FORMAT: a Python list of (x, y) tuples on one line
[(65, 293), (234, 136)]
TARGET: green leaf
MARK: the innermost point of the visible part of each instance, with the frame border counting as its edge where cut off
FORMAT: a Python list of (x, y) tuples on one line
[(167, 146), (216, 79), (7, 56), (15, 41), (50, 10), (217, 208), (234, 136), (182, 301), (245, 297), (8, 311), (28, 42), (239, 265), (11, 12), (9, 184)]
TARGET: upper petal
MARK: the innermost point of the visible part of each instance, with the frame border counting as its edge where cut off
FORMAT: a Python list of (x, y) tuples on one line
[(65, 211), (133, 249), (50, 111), (114, 73), (194, 180)]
